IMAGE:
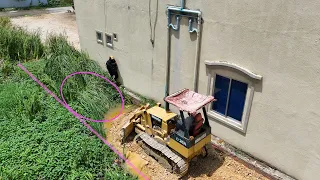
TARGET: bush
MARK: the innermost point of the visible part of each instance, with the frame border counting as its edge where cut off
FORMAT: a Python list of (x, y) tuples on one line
[(57, 3)]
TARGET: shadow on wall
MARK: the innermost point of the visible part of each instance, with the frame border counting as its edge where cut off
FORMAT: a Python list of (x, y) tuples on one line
[(193, 36), (119, 81), (176, 34), (258, 86), (177, 49), (184, 26)]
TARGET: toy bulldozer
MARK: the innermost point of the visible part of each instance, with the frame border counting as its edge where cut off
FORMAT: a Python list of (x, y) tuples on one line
[(171, 139)]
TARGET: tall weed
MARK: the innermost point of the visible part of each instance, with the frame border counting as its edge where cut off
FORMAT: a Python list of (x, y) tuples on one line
[(6, 68), (18, 45), (94, 93)]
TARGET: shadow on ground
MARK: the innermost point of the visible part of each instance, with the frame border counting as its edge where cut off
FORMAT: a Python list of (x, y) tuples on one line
[(205, 166)]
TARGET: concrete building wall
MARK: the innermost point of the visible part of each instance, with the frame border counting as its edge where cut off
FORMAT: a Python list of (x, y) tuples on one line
[(23, 3), (278, 40)]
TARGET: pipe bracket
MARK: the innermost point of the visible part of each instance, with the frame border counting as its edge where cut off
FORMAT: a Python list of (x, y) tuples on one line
[(177, 26), (191, 28)]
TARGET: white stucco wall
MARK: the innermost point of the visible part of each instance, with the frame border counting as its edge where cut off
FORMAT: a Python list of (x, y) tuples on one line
[(279, 40)]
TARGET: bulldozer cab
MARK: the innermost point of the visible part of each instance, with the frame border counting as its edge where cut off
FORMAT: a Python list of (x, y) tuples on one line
[(192, 131), (162, 120)]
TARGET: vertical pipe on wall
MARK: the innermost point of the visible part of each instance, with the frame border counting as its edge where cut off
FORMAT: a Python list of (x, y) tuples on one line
[(168, 62), (182, 4), (197, 61), (191, 30)]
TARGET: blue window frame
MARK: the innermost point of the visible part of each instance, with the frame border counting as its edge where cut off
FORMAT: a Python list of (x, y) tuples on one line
[(231, 96)]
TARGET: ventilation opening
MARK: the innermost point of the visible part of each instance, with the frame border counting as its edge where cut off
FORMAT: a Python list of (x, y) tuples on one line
[(99, 37), (109, 40)]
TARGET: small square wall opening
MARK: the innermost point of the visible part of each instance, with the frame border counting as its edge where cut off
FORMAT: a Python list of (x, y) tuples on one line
[(109, 40), (99, 36)]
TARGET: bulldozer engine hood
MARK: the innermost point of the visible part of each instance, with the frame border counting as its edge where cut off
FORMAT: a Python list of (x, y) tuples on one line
[(160, 113)]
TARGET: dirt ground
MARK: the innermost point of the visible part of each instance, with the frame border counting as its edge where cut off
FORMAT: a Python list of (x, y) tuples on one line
[(62, 22), (216, 165)]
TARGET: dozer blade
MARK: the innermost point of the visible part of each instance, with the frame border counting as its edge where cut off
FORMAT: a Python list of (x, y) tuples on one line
[(126, 130)]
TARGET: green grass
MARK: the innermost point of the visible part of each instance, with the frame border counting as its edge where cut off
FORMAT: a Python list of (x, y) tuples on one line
[(40, 139)]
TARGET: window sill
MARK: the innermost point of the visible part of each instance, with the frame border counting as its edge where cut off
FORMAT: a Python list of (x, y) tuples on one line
[(100, 42), (228, 121), (109, 45)]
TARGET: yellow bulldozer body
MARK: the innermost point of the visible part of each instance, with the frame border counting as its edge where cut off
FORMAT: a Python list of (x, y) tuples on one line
[(166, 134)]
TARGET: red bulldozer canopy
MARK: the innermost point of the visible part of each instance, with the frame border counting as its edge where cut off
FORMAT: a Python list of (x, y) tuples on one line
[(189, 101)]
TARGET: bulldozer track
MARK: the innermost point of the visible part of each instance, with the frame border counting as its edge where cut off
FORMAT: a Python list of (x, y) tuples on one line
[(163, 154)]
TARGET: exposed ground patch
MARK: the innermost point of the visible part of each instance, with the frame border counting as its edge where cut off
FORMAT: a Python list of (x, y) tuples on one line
[(57, 23), (216, 166)]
